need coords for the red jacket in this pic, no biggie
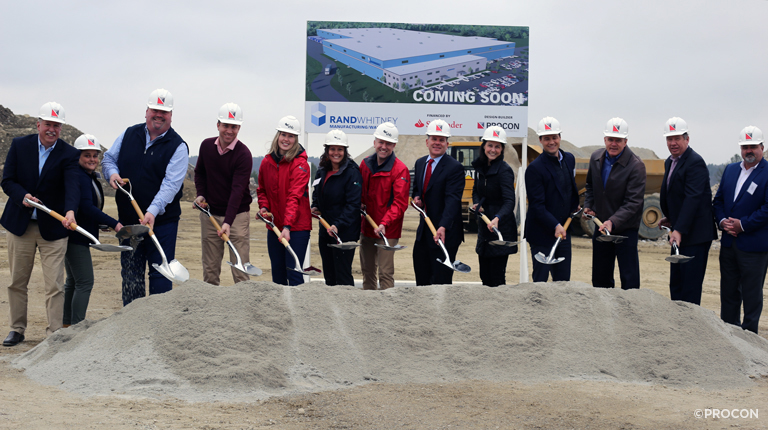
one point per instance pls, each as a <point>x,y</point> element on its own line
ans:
<point>385,195</point>
<point>283,190</point>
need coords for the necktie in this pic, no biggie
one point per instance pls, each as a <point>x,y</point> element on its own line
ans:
<point>671,169</point>
<point>427,176</point>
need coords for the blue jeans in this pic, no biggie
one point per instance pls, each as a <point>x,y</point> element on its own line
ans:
<point>146,253</point>
<point>79,283</point>
<point>281,259</point>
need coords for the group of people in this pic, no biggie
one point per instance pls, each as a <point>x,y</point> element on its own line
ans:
<point>615,187</point>
<point>151,159</point>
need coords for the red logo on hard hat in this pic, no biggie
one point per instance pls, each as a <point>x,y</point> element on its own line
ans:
<point>438,128</point>
<point>671,127</point>
<point>749,136</point>
<point>495,133</point>
<point>161,101</point>
<point>54,113</point>
<point>615,128</point>
<point>231,115</point>
<point>90,142</point>
<point>419,124</point>
<point>548,126</point>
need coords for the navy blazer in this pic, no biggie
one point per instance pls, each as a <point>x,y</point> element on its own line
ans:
<point>687,203</point>
<point>442,198</point>
<point>57,186</point>
<point>548,205</point>
<point>750,207</point>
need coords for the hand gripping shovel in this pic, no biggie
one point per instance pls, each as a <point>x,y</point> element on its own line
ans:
<point>247,268</point>
<point>309,271</point>
<point>339,244</point>
<point>456,265</point>
<point>606,236</point>
<point>386,245</point>
<point>549,259</point>
<point>172,270</point>
<point>96,244</point>
<point>676,258</point>
<point>501,241</point>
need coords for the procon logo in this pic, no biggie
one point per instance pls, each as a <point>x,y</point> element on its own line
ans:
<point>749,136</point>
<point>454,124</point>
<point>91,143</point>
<point>231,115</point>
<point>547,126</point>
<point>672,127</point>
<point>504,125</point>
<point>615,128</point>
<point>161,101</point>
<point>54,113</point>
<point>419,124</point>
<point>495,133</point>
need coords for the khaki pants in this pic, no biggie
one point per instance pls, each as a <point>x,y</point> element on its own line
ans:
<point>372,256</point>
<point>213,246</point>
<point>21,258</point>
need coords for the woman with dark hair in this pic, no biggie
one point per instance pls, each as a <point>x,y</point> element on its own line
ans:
<point>283,178</point>
<point>494,195</point>
<point>336,197</point>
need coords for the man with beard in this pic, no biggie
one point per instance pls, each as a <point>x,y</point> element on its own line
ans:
<point>741,210</point>
<point>155,158</point>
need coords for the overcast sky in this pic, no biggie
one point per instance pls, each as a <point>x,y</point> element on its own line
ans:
<point>705,61</point>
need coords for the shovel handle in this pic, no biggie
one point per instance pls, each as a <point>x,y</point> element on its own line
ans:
<point>218,228</point>
<point>284,241</point>
<point>485,218</point>
<point>72,226</point>
<point>141,215</point>
<point>371,221</point>
<point>567,224</point>
<point>324,223</point>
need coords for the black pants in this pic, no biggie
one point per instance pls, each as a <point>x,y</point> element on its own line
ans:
<point>604,256</point>
<point>560,271</point>
<point>493,270</point>
<point>685,279</point>
<point>427,269</point>
<point>337,263</point>
<point>742,276</point>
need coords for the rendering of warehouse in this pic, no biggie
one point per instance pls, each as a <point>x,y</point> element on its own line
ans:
<point>397,57</point>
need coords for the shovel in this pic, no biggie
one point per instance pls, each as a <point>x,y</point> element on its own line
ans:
<point>386,245</point>
<point>676,258</point>
<point>606,236</point>
<point>309,271</point>
<point>172,270</point>
<point>247,268</point>
<point>133,233</point>
<point>456,265</point>
<point>501,241</point>
<point>96,244</point>
<point>339,244</point>
<point>549,259</point>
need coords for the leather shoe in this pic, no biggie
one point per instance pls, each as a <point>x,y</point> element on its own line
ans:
<point>14,338</point>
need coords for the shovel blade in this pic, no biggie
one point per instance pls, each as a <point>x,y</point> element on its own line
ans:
<point>309,271</point>
<point>611,238</point>
<point>502,243</point>
<point>675,259</point>
<point>391,248</point>
<point>344,246</point>
<point>541,258</point>
<point>111,248</point>
<point>132,230</point>
<point>247,268</point>
<point>174,271</point>
<point>461,267</point>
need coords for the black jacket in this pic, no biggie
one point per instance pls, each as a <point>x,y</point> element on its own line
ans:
<point>338,200</point>
<point>89,214</point>
<point>442,198</point>
<point>494,189</point>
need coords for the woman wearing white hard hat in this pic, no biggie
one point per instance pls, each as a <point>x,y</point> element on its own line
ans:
<point>336,197</point>
<point>77,261</point>
<point>283,178</point>
<point>494,195</point>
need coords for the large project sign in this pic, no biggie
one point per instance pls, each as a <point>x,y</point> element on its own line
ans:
<point>360,75</point>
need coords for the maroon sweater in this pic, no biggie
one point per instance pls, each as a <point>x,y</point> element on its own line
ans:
<point>224,179</point>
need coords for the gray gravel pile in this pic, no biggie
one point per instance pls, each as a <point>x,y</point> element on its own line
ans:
<point>258,339</point>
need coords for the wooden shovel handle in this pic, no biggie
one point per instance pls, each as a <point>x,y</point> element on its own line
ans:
<point>284,241</point>
<point>141,215</point>
<point>371,221</point>
<point>597,221</point>
<point>324,223</point>
<point>567,224</point>
<point>431,226</point>
<point>485,218</point>
<point>218,228</point>
<point>72,226</point>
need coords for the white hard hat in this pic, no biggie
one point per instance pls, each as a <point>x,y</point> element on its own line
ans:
<point>616,127</point>
<point>386,131</point>
<point>231,113</point>
<point>751,135</point>
<point>496,134</point>
<point>52,111</point>
<point>438,127</point>
<point>675,126</point>
<point>547,126</point>
<point>160,99</point>
<point>289,124</point>
<point>336,137</point>
<point>87,141</point>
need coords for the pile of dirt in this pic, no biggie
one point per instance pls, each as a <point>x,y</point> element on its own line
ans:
<point>257,339</point>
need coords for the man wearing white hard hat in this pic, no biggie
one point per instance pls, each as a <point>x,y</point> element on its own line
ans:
<point>437,188</point>
<point>550,186</point>
<point>386,183</point>
<point>615,191</point>
<point>222,181</point>
<point>336,197</point>
<point>686,201</point>
<point>154,158</point>
<point>741,210</point>
<point>42,168</point>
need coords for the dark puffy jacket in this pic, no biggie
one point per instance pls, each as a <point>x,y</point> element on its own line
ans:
<point>338,200</point>
<point>494,189</point>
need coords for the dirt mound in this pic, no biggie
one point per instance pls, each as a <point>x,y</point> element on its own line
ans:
<point>258,339</point>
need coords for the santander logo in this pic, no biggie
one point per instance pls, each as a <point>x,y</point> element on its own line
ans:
<point>419,124</point>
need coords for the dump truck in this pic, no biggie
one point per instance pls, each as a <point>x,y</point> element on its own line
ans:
<point>466,152</point>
